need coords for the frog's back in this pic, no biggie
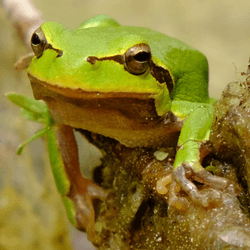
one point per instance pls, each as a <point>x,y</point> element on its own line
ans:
<point>187,65</point>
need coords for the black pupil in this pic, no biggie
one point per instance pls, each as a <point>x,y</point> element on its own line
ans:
<point>142,56</point>
<point>35,39</point>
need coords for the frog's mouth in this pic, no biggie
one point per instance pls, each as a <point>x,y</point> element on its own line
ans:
<point>42,89</point>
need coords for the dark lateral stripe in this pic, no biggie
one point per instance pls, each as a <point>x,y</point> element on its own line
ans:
<point>49,46</point>
<point>117,58</point>
<point>162,75</point>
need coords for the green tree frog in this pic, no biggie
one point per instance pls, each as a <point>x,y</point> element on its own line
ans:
<point>135,85</point>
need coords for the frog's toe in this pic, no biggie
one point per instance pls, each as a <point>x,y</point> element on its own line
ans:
<point>207,178</point>
<point>206,198</point>
<point>180,203</point>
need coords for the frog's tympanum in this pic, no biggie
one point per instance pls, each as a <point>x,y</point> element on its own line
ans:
<point>135,85</point>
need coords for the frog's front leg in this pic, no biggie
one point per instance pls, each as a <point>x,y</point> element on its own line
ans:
<point>77,192</point>
<point>187,165</point>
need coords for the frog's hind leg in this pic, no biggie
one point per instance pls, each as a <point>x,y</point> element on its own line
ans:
<point>77,192</point>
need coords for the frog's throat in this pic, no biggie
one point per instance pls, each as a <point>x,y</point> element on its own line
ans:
<point>129,118</point>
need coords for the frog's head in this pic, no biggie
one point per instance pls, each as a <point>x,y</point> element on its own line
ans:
<point>100,56</point>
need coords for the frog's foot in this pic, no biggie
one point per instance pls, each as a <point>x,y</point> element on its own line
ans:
<point>181,181</point>
<point>82,196</point>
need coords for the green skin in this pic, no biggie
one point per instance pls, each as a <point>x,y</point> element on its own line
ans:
<point>102,37</point>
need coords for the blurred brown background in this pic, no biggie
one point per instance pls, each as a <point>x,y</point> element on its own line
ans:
<point>31,216</point>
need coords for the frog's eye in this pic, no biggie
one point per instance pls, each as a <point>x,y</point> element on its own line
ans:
<point>38,42</point>
<point>137,59</point>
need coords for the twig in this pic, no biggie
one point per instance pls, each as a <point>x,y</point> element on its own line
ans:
<point>24,16</point>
